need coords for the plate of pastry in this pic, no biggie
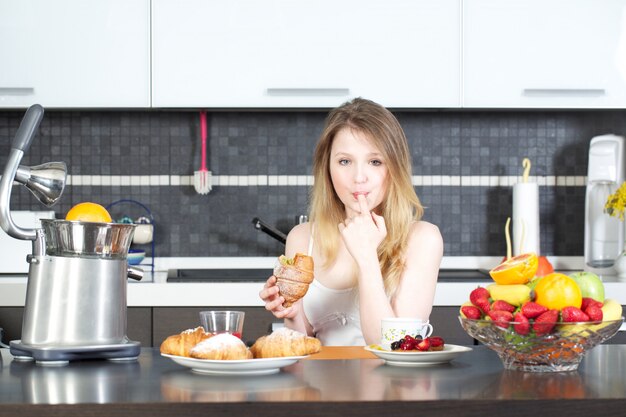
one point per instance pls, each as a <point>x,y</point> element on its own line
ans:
<point>418,358</point>
<point>225,354</point>
<point>261,366</point>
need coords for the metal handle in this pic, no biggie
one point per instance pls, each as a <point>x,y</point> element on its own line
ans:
<point>17,91</point>
<point>22,141</point>
<point>564,92</point>
<point>135,273</point>
<point>308,91</point>
<point>26,131</point>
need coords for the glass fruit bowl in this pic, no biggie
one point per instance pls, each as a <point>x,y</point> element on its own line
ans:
<point>560,350</point>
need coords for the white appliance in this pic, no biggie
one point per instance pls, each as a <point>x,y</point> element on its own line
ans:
<point>604,234</point>
<point>13,251</point>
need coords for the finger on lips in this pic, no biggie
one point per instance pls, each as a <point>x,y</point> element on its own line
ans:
<point>362,203</point>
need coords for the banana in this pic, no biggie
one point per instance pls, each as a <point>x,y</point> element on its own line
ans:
<point>515,294</point>
<point>570,329</point>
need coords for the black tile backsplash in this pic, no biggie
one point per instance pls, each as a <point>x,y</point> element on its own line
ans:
<point>450,143</point>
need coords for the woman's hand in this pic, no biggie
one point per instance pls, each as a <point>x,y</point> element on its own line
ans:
<point>364,232</point>
<point>274,301</point>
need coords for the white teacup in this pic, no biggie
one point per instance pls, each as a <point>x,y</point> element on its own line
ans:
<point>395,328</point>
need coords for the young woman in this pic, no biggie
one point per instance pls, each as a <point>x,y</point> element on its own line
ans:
<point>374,257</point>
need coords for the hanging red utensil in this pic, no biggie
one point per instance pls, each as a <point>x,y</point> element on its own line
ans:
<point>202,177</point>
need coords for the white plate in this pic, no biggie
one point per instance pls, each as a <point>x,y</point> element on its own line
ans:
<point>263,366</point>
<point>400,358</point>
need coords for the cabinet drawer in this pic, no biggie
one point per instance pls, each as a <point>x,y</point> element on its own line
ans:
<point>284,54</point>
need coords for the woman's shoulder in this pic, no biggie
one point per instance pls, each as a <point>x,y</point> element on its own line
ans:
<point>298,238</point>
<point>425,234</point>
<point>301,230</point>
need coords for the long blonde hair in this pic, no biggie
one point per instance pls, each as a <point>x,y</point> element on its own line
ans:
<point>401,205</point>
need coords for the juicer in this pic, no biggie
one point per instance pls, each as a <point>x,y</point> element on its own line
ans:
<point>77,277</point>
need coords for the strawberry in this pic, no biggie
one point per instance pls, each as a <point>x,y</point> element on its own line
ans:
<point>483,304</point>
<point>408,342</point>
<point>573,314</point>
<point>545,322</point>
<point>477,294</point>
<point>501,318</point>
<point>531,309</point>
<point>502,305</point>
<point>522,325</point>
<point>471,312</point>
<point>590,301</point>
<point>436,341</point>
<point>424,345</point>
<point>594,312</point>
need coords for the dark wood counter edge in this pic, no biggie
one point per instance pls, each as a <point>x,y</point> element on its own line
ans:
<point>456,408</point>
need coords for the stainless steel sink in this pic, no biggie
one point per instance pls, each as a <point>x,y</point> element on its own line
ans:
<point>261,275</point>
<point>460,275</point>
<point>218,275</point>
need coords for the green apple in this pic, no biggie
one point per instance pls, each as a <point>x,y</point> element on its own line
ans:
<point>590,284</point>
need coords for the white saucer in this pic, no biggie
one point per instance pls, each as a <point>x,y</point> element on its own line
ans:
<point>400,358</point>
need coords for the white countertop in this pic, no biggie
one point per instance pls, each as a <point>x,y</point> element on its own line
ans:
<point>155,291</point>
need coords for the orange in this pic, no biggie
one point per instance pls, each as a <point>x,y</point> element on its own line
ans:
<point>544,267</point>
<point>556,291</point>
<point>88,212</point>
<point>517,270</point>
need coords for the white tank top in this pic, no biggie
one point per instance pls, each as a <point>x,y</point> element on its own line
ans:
<point>333,314</point>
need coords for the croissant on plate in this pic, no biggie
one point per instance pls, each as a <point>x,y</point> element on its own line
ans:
<point>223,346</point>
<point>293,277</point>
<point>181,344</point>
<point>285,342</point>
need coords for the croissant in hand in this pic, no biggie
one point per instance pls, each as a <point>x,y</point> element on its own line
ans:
<point>285,342</point>
<point>293,277</point>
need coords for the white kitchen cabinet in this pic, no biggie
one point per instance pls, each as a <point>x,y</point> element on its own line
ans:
<point>75,53</point>
<point>308,53</point>
<point>544,54</point>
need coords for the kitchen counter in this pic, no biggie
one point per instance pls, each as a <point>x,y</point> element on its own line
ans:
<point>474,384</point>
<point>156,291</point>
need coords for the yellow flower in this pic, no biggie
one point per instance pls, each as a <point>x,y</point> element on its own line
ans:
<point>616,203</point>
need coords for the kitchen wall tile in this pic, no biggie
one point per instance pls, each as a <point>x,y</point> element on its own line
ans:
<point>464,164</point>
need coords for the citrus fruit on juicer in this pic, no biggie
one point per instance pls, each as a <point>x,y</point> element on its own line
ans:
<point>89,212</point>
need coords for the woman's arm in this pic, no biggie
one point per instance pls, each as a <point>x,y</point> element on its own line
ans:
<point>415,294</point>
<point>297,242</point>
<point>416,291</point>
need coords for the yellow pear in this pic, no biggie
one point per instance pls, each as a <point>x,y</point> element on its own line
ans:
<point>611,310</point>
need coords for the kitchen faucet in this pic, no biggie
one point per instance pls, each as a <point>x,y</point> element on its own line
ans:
<point>264,227</point>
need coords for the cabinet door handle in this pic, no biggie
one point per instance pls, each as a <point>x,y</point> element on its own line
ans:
<point>308,91</point>
<point>550,92</point>
<point>17,91</point>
